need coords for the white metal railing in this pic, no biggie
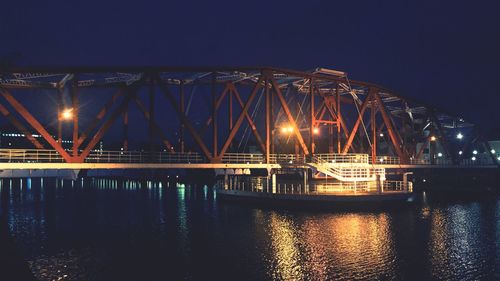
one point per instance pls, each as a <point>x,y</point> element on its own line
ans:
<point>353,172</point>
<point>339,164</point>
<point>248,158</point>
<point>351,158</point>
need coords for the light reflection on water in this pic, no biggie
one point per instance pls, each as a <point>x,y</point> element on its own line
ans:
<point>168,231</point>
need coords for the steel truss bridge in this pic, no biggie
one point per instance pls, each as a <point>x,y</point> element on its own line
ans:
<point>249,117</point>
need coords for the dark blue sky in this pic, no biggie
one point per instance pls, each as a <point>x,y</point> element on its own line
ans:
<point>442,52</point>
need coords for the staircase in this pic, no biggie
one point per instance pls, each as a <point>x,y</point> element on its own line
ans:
<point>347,172</point>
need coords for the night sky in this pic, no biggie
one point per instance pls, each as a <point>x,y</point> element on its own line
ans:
<point>442,52</point>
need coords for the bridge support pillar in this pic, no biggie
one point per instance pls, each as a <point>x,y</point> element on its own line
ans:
<point>306,181</point>
<point>273,183</point>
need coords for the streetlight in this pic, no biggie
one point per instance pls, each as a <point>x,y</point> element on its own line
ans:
<point>287,129</point>
<point>66,114</point>
<point>460,136</point>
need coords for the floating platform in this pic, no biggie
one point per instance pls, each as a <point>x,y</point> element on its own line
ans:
<point>350,201</point>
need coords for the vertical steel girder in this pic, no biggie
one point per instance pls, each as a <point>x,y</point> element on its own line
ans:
<point>182,108</point>
<point>374,133</point>
<point>312,121</point>
<point>151,113</point>
<point>268,121</point>
<point>59,112</point>
<point>75,108</point>
<point>215,126</point>
<point>125,130</point>
<point>35,124</point>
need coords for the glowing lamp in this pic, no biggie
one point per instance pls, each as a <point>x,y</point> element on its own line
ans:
<point>67,114</point>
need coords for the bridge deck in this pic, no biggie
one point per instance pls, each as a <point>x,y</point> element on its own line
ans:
<point>18,159</point>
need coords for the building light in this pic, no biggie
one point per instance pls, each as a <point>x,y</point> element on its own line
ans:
<point>460,152</point>
<point>474,152</point>
<point>440,154</point>
<point>492,151</point>
<point>460,136</point>
<point>433,138</point>
<point>473,158</point>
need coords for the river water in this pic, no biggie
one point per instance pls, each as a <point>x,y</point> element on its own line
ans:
<point>110,230</point>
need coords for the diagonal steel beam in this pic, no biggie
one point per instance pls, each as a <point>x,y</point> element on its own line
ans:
<point>155,127</point>
<point>35,124</point>
<point>104,128</point>
<point>250,121</point>
<point>99,117</point>
<point>20,127</point>
<point>354,130</point>
<point>393,134</point>
<point>182,116</point>
<point>241,117</point>
<point>290,117</point>
<point>217,105</point>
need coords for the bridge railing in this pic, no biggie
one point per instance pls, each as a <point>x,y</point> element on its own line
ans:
<point>353,158</point>
<point>30,155</point>
<point>243,158</point>
<point>142,157</point>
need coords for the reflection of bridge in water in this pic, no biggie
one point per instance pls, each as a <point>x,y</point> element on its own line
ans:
<point>230,118</point>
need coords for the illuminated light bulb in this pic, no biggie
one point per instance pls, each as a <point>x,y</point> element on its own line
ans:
<point>473,158</point>
<point>474,152</point>
<point>67,114</point>
<point>433,138</point>
<point>440,154</point>
<point>284,130</point>
<point>290,129</point>
<point>316,131</point>
<point>381,135</point>
<point>460,152</point>
<point>492,151</point>
<point>460,136</point>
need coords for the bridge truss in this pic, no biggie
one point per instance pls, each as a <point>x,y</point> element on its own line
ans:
<point>219,111</point>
